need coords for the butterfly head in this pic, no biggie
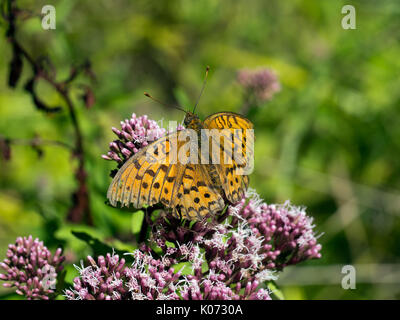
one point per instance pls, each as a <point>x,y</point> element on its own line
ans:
<point>192,121</point>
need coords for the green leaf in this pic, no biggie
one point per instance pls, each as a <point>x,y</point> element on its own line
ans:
<point>61,283</point>
<point>11,296</point>
<point>186,268</point>
<point>137,221</point>
<point>72,243</point>
<point>275,291</point>
<point>100,248</point>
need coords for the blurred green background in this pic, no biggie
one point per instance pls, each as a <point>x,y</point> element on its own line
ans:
<point>329,140</point>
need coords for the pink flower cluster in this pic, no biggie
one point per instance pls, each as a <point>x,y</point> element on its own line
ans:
<point>31,268</point>
<point>111,279</point>
<point>135,133</point>
<point>249,244</point>
<point>213,287</point>
<point>287,231</point>
<point>152,279</point>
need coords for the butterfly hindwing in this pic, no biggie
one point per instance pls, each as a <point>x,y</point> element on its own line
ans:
<point>233,184</point>
<point>197,197</point>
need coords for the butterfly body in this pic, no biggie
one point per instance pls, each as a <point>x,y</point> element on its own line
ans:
<point>191,190</point>
<point>192,121</point>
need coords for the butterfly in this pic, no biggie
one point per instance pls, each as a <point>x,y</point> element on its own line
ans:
<point>193,189</point>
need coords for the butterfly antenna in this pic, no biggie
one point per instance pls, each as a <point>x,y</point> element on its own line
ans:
<point>202,88</point>
<point>165,105</point>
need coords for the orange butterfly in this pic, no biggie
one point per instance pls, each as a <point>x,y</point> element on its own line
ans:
<point>191,189</point>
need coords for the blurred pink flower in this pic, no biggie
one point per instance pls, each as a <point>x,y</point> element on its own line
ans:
<point>263,83</point>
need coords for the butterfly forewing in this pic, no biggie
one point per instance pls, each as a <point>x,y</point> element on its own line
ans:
<point>149,177</point>
<point>141,179</point>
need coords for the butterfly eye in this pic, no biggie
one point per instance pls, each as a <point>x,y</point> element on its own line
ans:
<point>187,121</point>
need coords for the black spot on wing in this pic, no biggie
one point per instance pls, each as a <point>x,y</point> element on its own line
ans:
<point>150,172</point>
<point>137,164</point>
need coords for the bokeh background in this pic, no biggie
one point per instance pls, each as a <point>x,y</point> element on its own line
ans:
<point>329,140</point>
